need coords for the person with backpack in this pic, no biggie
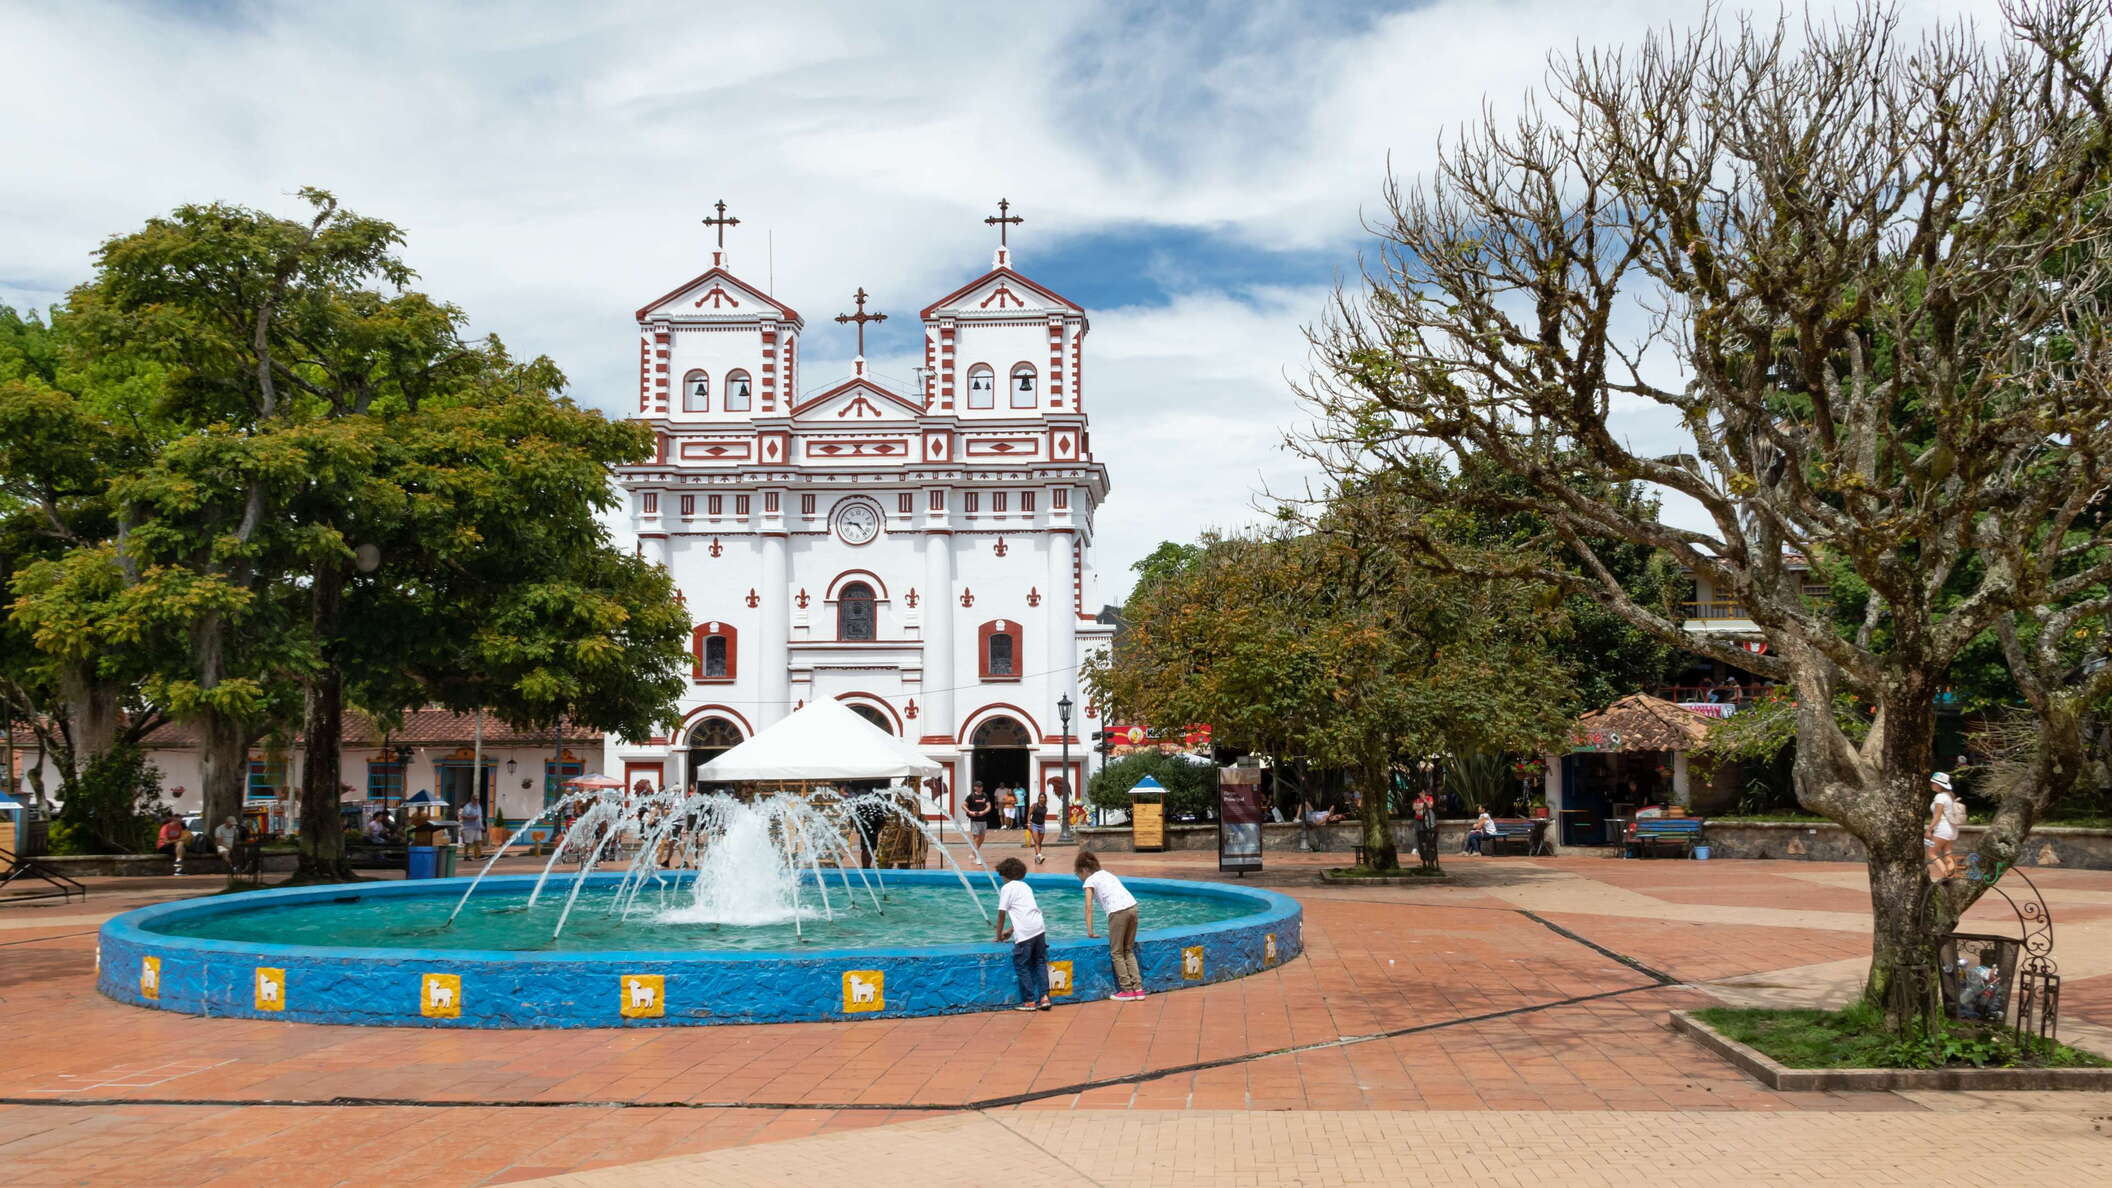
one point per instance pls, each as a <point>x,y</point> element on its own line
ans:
<point>1946,814</point>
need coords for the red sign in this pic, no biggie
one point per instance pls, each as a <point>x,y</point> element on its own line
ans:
<point>1757,647</point>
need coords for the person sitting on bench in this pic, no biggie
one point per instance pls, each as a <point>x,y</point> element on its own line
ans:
<point>1484,829</point>
<point>226,838</point>
<point>174,839</point>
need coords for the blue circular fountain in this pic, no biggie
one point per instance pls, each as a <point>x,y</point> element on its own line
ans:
<point>892,943</point>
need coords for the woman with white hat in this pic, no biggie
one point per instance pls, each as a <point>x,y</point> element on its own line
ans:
<point>1946,813</point>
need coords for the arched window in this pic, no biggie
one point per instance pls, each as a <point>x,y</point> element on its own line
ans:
<point>710,739</point>
<point>998,650</point>
<point>696,392</point>
<point>1023,386</point>
<point>1001,732</point>
<point>854,612</point>
<point>982,386</point>
<point>716,653</point>
<point>738,398</point>
<point>874,716</point>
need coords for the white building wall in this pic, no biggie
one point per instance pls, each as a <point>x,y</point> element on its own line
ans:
<point>940,573</point>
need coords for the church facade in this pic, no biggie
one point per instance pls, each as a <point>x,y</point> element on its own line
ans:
<point>921,555</point>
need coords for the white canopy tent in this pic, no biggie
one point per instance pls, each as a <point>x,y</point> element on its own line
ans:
<point>822,741</point>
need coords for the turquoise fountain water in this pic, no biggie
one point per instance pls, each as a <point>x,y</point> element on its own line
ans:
<point>695,909</point>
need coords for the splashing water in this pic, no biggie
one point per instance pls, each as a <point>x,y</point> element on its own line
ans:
<point>758,862</point>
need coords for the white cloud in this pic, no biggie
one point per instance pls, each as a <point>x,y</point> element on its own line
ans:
<point>550,162</point>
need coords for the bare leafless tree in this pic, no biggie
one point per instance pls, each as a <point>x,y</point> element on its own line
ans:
<point>1867,271</point>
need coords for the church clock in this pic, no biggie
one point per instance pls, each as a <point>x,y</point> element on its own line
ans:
<point>857,522</point>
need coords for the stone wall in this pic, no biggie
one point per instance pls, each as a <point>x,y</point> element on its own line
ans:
<point>1342,837</point>
<point>149,865</point>
<point>2053,845</point>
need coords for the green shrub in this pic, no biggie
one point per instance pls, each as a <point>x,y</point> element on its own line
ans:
<point>1190,787</point>
<point>112,807</point>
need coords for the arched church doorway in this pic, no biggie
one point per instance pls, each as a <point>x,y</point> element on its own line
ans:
<point>709,739</point>
<point>1000,755</point>
<point>874,716</point>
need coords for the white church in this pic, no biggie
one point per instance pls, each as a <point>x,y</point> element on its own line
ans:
<point>919,552</point>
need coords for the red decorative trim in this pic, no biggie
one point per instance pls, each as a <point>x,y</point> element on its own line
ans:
<point>910,711</point>
<point>912,599</point>
<point>712,630</point>
<point>985,634</point>
<point>849,384</point>
<point>865,575</point>
<point>938,740</point>
<point>633,769</point>
<point>971,286</point>
<point>878,702</point>
<point>704,711</point>
<point>968,723</point>
<point>999,548</point>
<point>754,599</point>
<point>791,315</point>
<point>967,596</point>
<point>1034,596</point>
<point>802,600</point>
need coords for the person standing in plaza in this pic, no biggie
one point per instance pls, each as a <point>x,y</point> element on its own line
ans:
<point>1038,825</point>
<point>1021,915</point>
<point>1121,909</point>
<point>1946,813</point>
<point>977,809</point>
<point>473,829</point>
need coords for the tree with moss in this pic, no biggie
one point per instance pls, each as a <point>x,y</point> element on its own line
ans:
<point>1864,272</point>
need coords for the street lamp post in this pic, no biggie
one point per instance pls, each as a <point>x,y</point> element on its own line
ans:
<point>1063,789</point>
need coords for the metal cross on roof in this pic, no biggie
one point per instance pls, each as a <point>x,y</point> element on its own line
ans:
<point>1003,221</point>
<point>722,222</point>
<point>861,318</point>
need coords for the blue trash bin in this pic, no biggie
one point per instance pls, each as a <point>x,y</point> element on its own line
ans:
<point>422,862</point>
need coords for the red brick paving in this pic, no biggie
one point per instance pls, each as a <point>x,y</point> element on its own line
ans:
<point>1376,961</point>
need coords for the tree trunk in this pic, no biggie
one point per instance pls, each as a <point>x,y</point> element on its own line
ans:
<point>223,766</point>
<point>1886,802</point>
<point>91,706</point>
<point>322,832</point>
<point>1379,852</point>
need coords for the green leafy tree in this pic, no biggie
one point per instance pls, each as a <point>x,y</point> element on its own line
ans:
<point>350,498</point>
<point>1329,647</point>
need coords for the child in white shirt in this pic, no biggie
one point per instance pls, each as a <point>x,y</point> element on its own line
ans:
<point>1017,911</point>
<point>1121,909</point>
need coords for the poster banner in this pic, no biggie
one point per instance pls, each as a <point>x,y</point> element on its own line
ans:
<point>1239,818</point>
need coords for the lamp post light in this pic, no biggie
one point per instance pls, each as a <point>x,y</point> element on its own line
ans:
<point>1063,787</point>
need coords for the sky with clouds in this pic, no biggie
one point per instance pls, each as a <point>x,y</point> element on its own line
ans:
<point>1194,174</point>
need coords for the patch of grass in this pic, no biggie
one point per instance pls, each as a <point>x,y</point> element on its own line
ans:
<point>1856,1038</point>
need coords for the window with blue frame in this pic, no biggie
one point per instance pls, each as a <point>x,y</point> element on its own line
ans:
<point>266,779</point>
<point>554,776</point>
<point>384,782</point>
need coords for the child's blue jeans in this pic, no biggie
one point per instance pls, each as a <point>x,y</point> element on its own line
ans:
<point>1030,961</point>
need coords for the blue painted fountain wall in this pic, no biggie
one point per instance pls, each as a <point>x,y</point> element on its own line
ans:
<point>470,988</point>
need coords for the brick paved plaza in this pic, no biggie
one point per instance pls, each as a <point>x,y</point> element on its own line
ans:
<point>1506,1029</point>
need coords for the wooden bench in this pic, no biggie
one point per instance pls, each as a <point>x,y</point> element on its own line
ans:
<point>371,856</point>
<point>1649,833</point>
<point>1529,836</point>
